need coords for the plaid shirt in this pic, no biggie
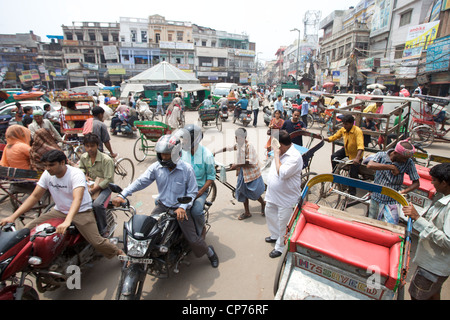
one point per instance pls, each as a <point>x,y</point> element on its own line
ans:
<point>247,153</point>
<point>386,178</point>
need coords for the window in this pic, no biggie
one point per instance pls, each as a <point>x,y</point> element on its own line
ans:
<point>221,62</point>
<point>157,37</point>
<point>205,61</point>
<point>405,18</point>
<point>169,37</point>
<point>69,36</point>
<point>399,52</point>
<point>80,36</point>
<point>133,35</point>
<point>144,36</point>
<point>105,37</point>
<point>203,43</point>
<point>213,44</point>
<point>179,35</point>
<point>92,36</point>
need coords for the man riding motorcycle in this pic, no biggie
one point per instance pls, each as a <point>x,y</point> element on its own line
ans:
<point>69,190</point>
<point>202,161</point>
<point>174,179</point>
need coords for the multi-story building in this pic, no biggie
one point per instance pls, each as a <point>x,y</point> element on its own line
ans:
<point>18,60</point>
<point>146,42</point>
<point>223,56</point>
<point>50,61</point>
<point>91,53</point>
<point>346,37</point>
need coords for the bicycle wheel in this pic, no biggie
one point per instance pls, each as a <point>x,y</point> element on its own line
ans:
<point>422,135</point>
<point>124,172</point>
<point>219,123</point>
<point>140,149</point>
<point>310,120</point>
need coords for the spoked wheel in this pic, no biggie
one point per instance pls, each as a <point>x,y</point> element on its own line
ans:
<point>310,120</point>
<point>18,196</point>
<point>219,123</point>
<point>124,172</point>
<point>422,136</point>
<point>141,149</point>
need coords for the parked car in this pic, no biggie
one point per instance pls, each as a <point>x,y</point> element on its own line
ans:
<point>37,105</point>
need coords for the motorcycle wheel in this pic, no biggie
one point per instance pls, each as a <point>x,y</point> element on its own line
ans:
<point>134,280</point>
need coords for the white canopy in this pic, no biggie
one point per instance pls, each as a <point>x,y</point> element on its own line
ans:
<point>164,72</point>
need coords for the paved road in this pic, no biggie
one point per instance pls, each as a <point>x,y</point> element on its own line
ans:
<point>246,272</point>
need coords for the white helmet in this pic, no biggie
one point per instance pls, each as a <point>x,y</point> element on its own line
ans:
<point>168,144</point>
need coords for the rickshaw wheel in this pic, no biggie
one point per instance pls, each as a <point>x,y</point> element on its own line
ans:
<point>124,172</point>
<point>310,120</point>
<point>140,149</point>
<point>219,123</point>
<point>422,135</point>
<point>280,270</point>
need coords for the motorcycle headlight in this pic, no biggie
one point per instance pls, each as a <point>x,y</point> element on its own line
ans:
<point>137,248</point>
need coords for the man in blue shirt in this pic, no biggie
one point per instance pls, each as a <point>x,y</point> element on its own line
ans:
<point>305,110</point>
<point>243,104</point>
<point>202,161</point>
<point>278,105</point>
<point>174,179</point>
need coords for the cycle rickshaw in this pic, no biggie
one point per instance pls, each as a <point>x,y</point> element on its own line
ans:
<point>423,128</point>
<point>210,115</point>
<point>149,134</point>
<point>333,255</point>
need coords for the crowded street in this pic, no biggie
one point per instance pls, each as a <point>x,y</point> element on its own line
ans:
<point>243,253</point>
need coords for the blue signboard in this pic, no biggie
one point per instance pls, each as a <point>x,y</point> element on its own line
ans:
<point>438,55</point>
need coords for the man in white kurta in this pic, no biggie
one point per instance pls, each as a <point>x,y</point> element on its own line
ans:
<point>283,190</point>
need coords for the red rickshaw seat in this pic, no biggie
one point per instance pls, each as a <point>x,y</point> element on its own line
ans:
<point>353,243</point>
<point>425,183</point>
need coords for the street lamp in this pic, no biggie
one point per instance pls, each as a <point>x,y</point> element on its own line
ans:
<point>298,53</point>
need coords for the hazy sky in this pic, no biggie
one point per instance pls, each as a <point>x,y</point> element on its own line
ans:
<point>268,23</point>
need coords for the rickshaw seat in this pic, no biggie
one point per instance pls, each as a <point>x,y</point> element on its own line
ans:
<point>425,184</point>
<point>353,243</point>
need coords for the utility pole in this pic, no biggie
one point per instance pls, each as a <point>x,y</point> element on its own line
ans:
<point>298,54</point>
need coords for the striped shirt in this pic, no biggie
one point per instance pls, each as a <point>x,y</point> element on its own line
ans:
<point>247,153</point>
<point>386,178</point>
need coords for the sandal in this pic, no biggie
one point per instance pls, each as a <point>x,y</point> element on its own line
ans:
<point>244,216</point>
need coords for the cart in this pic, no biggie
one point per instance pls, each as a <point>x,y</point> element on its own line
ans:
<point>333,255</point>
<point>210,115</point>
<point>149,134</point>
<point>423,128</point>
<point>17,185</point>
<point>72,123</point>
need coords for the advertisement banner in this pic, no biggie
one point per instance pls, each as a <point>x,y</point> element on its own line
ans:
<point>438,58</point>
<point>421,36</point>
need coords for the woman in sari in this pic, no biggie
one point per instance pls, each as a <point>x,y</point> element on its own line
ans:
<point>17,151</point>
<point>43,142</point>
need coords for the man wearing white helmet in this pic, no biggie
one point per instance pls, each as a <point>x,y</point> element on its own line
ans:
<point>174,179</point>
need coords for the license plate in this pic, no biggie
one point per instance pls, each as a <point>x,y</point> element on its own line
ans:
<point>417,200</point>
<point>135,260</point>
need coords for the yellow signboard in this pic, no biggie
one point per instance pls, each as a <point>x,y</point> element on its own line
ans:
<point>422,35</point>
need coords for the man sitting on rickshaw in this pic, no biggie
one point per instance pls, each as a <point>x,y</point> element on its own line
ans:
<point>390,167</point>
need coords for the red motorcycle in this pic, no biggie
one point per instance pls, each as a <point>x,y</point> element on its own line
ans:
<point>44,254</point>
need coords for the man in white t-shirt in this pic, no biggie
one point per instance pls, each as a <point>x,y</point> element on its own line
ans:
<point>283,190</point>
<point>68,188</point>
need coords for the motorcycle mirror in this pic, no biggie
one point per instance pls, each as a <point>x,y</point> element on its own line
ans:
<point>184,200</point>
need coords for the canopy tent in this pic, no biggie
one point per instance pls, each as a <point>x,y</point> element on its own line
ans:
<point>163,72</point>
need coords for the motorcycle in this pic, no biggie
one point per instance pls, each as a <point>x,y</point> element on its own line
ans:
<point>267,115</point>
<point>154,245</point>
<point>223,113</point>
<point>45,255</point>
<point>244,117</point>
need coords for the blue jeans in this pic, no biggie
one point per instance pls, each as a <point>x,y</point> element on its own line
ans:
<point>197,212</point>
